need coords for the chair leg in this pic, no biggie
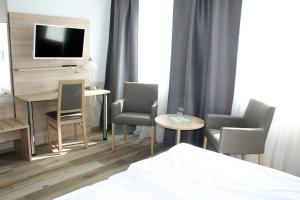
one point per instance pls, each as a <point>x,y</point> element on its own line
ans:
<point>59,139</point>
<point>85,135</point>
<point>243,156</point>
<point>75,131</point>
<point>205,142</point>
<point>260,159</point>
<point>152,139</point>
<point>49,132</point>
<point>112,136</point>
<point>125,131</point>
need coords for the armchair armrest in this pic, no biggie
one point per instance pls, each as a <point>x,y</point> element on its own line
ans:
<point>117,108</point>
<point>153,111</point>
<point>242,140</point>
<point>217,121</point>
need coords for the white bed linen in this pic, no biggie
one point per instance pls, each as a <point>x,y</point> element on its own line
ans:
<point>188,172</point>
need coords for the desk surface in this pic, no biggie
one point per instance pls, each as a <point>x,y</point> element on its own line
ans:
<point>47,96</point>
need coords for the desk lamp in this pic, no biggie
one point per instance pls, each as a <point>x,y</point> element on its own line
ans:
<point>91,66</point>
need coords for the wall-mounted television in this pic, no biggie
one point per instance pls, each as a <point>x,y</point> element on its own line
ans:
<point>57,42</point>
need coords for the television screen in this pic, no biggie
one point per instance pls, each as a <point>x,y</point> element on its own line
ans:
<point>51,41</point>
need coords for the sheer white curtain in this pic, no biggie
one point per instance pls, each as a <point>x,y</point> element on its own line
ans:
<point>268,69</point>
<point>155,35</point>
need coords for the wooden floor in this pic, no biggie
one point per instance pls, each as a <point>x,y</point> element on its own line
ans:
<point>49,175</point>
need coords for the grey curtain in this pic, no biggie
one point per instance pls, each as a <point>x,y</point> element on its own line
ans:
<point>203,60</point>
<point>122,55</point>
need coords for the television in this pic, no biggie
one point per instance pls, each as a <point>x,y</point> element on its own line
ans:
<point>57,42</point>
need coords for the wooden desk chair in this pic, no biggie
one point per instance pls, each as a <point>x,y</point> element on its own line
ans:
<point>70,109</point>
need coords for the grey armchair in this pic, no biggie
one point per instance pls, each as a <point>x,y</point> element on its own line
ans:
<point>139,107</point>
<point>240,135</point>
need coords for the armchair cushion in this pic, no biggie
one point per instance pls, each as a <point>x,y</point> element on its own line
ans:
<point>153,111</point>
<point>217,121</point>
<point>242,140</point>
<point>117,108</point>
<point>258,115</point>
<point>134,119</point>
<point>139,97</point>
<point>213,135</point>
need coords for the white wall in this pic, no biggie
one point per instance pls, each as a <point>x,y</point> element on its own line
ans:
<point>96,11</point>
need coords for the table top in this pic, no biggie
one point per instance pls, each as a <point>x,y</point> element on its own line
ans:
<point>46,96</point>
<point>172,121</point>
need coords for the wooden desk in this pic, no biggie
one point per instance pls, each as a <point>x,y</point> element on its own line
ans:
<point>48,96</point>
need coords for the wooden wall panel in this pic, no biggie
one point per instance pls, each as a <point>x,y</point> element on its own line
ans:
<point>36,81</point>
<point>21,32</point>
<point>31,82</point>
<point>6,107</point>
<point>32,76</point>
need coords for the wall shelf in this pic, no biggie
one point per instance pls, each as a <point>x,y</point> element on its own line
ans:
<point>43,68</point>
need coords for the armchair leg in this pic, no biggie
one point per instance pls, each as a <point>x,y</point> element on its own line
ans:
<point>125,131</point>
<point>205,142</point>
<point>112,136</point>
<point>243,156</point>
<point>260,159</point>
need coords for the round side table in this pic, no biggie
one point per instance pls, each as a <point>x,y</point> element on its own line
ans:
<point>172,121</point>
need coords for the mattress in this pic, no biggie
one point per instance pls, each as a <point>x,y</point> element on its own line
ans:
<point>189,172</point>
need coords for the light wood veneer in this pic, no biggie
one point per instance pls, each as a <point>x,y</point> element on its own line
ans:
<point>49,176</point>
<point>29,79</point>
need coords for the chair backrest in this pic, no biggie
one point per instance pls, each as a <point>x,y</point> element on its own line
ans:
<point>70,96</point>
<point>139,97</point>
<point>258,115</point>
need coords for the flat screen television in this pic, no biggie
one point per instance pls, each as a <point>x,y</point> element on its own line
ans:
<point>57,42</point>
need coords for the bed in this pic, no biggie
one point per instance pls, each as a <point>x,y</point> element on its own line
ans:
<point>189,172</point>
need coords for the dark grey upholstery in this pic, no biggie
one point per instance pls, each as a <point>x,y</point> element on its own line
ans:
<point>71,96</point>
<point>65,116</point>
<point>70,100</point>
<point>139,106</point>
<point>240,135</point>
<point>134,118</point>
